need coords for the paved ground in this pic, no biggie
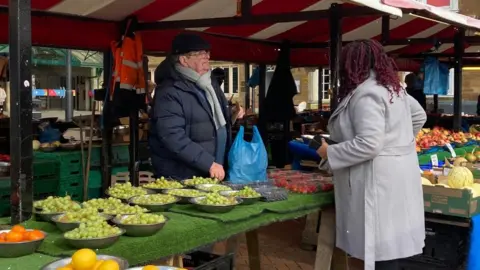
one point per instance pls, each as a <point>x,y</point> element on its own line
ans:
<point>279,247</point>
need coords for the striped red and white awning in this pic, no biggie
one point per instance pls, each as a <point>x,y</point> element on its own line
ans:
<point>101,27</point>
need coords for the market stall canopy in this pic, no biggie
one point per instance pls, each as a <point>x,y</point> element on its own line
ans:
<point>253,37</point>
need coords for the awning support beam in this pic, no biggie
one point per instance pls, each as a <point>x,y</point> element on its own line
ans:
<point>21,151</point>
<point>257,19</point>
<point>459,48</point>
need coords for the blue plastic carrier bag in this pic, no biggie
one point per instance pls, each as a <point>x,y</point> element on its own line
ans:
<point>247,161</point>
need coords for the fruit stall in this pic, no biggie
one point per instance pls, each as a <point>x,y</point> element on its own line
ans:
<point>65,232</point>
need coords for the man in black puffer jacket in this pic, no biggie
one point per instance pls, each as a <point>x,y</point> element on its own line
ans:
<point>190,121</point>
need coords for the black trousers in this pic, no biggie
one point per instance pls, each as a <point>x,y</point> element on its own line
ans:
<point>388,265</point>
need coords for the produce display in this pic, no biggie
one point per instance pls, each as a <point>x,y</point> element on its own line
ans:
<point>438,136</point>
<point>142,219</point>
<point>19,234</point>
<point>93,229</point>
<point>216,199</point>
<point>195,181</point>
<point>162,183</point>
<point>213,187</point>
<point>300,182</point>
<point>103,203</point>
<point>154,199</point>
<point>248,192</point>
<point>86,259</point>
<point>189,193</point>
<point>57,204</point>
<point>82,215</point>
<point>460,177</point>
<point>125,191</point>
<point>124,209</point>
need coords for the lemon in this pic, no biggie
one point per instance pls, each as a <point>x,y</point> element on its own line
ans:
<point>97,265</point>
<point>150,267</point>
<point>109,265</point>
<point>65,267</point>
<point>84,259</point>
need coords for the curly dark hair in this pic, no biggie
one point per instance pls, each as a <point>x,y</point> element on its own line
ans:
<point>358,59</point>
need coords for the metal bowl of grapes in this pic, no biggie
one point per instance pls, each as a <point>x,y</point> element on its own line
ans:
<point>58,264</point>
<point>93,235</point>
<point>215,203</point>
<point>19,249</point>
<point>212,187</point>
<point>124,191</point>
<point>185,194</point>
<point>140,225</point>
<point>155,202</point>
<point>124,209</point>
<point>71,220</point>
<point>163,184</point>
<point>247,194</point>
<point>195,181</point>
<point>53,206</point>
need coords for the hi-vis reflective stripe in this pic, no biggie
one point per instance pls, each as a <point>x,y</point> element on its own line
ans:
<point>126,86</point>
<point>140,64</point>
<point>140,90</point>
<point>129,64</point>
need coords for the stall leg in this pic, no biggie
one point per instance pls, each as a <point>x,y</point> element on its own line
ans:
<point>21,152</point>
<point>253,250</point>
<point>326,240</point>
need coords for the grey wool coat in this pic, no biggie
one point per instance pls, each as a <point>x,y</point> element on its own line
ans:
<point>378,191</point>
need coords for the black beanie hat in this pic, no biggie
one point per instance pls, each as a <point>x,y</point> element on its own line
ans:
<point>189,42</point>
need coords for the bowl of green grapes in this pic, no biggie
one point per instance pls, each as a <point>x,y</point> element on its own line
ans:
<point>155,202</point>
<point>247,194</point>
<point>162,184</point>
<point>195,181</point>
<point>72,219</point>
<point>125,209</point>
<point>53,206</point>
<point>126,191</point>
<point>215,203</point>
<point>185,194</point>
<point>140,225</point>
<point>212,187</point>
<point>93,235</point>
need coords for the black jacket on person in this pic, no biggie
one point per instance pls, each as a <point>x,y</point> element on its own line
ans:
<point>418,95</point>
<point>182,130</point>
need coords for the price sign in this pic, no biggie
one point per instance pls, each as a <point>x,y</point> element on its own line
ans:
<point>434,159</point>
<point>450,148</point>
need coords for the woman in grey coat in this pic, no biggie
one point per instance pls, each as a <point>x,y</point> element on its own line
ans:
<point>378,191</point>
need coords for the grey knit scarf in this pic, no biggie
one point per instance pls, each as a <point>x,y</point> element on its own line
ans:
<point>204,82</point>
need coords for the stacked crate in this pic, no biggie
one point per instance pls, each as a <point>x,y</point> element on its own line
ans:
<point>45,183</point>
<point>70,172</point>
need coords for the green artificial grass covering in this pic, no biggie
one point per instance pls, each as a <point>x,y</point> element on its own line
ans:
<point>295,202</point>
<point>180,235</point>
<point>31,262</point>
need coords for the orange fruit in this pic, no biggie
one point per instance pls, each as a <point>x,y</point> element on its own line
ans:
<point>109,265</point>
<point>84,259</point>
<point>150,267</point>
<point>14,237</point>
<point>26,236</point>
<point>3,236</point>
<point>18,228</point>
<point>35,235</point>
<point>66,267</point>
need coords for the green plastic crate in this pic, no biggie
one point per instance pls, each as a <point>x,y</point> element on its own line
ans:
<point>41,187</point>
<point>95,157</point>
<point>94,193</point>
<point>70,182</point>
<point>120,154</point>
<point>45,169</point>
<point>95,179</point>
<point>76,193</point>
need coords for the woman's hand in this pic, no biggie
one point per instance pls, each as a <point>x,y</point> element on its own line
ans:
<point>322,151</point>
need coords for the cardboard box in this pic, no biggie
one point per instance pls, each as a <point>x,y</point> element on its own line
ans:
<point>450,201</point>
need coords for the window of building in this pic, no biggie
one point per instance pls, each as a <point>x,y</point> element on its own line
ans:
<point>226,82</point>
<point>325,83</point>
<point>235,80</point>
<point>231,84</point>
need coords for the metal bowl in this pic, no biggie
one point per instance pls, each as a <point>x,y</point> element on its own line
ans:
<point>159,190</point>
<point>14,250</point>
<point>62,262</point>
<point>184,199</point>
<point>139,230</point>
<point>208,187</point>
<point>160,267</point>
<point>214,208</point>
<point>94,243</point>
<point>157,207</point>
<point>245,200</point>
<point>47,216</point>
<point>68,226</point>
